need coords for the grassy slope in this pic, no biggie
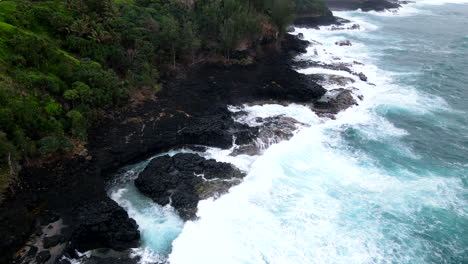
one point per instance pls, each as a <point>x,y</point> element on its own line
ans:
<point>7,77</point>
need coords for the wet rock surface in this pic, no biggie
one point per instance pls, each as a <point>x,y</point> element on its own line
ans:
<point>103,223</point>
<point>332,79</point>
<point>42,257</point>
<point>184,179</point>
<point>362,77</point>
<point>52,241</point>
<point>110,260</point>
<point>271,130</point>
<point>108,256</point>
<point>333,102</point>
<point>343,43</point>
<point>339,66</point>
<point>364,5</point>
<point>314,20</point>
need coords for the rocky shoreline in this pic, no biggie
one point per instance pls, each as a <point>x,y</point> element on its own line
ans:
<point>364,5</point>
<point>63,206</point>
<point>191,110</point>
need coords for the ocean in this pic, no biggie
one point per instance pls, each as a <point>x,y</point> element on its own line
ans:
<point>385,182</point>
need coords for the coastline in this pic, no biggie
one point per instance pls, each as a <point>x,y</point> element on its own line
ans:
<point>131,134</point>
<point>57,190</point>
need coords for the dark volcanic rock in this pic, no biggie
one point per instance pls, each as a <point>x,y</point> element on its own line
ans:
<point>16,224</point>
<point>335,101</point>
<point>315,20</point>
<point>364,5</point>
<point>109,260</point>
<point>344,43</point>
<point>277,128</point>
<point>333,79</point>
<point>104,224</point>
<point>184,179</point>
<point>301,64</point>
<point>272,130</point>
<point>362,77</point>
<point>199,100</point>
<point>294,45</point>
<point>42,257</point>
<point>346,67</point>
<point>287,84</point>
<point>216,130</point>
<point>32,252</point>
<point>52,241</point>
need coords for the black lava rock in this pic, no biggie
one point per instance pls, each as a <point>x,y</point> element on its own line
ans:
<point>285,83</point>
<point>364,5</point>
<point>104,224</point>
<point>110,260</point>
<point>343,43</point>
<point>42,257</point>
<point>340,100</point>
<point>216,130</point>
<point>180,181</point>
<point>314,20</point>
<point>362,77</point>
<point>52,241</point>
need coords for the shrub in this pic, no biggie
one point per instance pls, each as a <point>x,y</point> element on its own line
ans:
<point>78,124</point>
<point>53,108</point>
<point>49,145</point>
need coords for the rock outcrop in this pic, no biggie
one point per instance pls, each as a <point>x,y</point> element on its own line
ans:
<point>364,5</point>
<point>334,101</point>
<point>103,224</point>
<point>184,179</point>
<point>314,20</point>
<point>343,43</point>
<point>271,130</point>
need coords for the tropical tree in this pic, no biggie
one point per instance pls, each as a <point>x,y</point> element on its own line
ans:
<point>281,14</point>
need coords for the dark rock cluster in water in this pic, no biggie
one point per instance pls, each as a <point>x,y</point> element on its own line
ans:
<point>337,100</point>
<point>364,5</point>
<point>104,224</point>
<point>271,130</point>
<point>343,43</point>
<point>184,179</point>
<point>217,130</point>
<point>314,20</point>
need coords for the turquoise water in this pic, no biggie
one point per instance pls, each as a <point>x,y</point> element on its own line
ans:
<point>386,182</point>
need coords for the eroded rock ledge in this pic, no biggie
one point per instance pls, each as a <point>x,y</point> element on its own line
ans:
<point>185,179</point>
<point>364,5</point>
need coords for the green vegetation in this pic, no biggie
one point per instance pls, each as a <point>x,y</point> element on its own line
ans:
<point>65,62</point>
<point>308,7</point>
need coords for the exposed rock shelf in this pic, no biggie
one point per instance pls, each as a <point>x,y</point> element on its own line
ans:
<point>364,5</point>
<point>184,179</point>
